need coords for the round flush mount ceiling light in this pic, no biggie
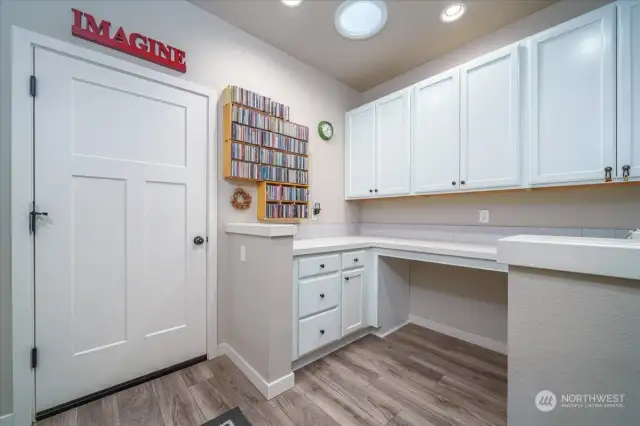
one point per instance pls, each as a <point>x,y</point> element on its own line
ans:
<point>453,12</point>
<point>291,3</point>
<point>361,19</point>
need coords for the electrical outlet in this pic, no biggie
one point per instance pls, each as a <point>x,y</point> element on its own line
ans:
<point>243,254</point>
<point>483,216</point>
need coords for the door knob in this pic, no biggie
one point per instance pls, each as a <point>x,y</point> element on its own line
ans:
<point>321,331</point>
<point>198,240</point>
<point>322,295</point>
<point>346,278</point>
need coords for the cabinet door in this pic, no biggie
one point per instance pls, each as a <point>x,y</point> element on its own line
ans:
<point>490,121</point>
<point>572,100</point>
<point>629,89</point>
<point>360,152</point>
<point>353,295</point>
<point>393,145</point>
<point>436,134</point>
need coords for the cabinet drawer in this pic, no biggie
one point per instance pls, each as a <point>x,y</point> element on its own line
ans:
<point>311,266</point>
<point>318,330</point>
<point>318,294</point>
<point>353,259</point>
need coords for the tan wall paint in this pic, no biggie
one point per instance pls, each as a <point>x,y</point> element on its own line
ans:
<point>471,300</point>
<point>611,206</point>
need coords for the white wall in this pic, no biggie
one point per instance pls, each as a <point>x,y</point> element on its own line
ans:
<point>218,54</point>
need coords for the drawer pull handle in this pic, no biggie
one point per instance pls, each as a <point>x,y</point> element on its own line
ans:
<point>322,265</point>
<point>355,260</point>
<point>321,331</point>
<point>322,295</point>
<point>346,278</point>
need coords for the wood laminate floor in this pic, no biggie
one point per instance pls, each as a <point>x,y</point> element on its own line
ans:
<point>415,376</point>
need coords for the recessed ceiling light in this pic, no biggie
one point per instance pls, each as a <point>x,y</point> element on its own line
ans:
<point>361,19</point>
<point>291,3</point>
<point>453,12</point>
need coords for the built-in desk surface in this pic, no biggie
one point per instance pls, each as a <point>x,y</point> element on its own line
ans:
<point>446,252</point>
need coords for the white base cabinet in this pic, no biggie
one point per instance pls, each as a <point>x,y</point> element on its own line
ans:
<point>333,304</point>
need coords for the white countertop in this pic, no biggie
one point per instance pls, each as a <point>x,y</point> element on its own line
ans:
<point>261,229</point>
<point>596,256</point>
<point>447,248</point>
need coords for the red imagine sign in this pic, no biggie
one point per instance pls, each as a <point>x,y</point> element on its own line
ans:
<point>85,26</point>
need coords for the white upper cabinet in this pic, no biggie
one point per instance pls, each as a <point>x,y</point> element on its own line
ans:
<point>393,172</point>
<point>360,152</point>
<point>490,121</point>
<point>572,134</point>
<point>629,90</point>
<point>436,134</point>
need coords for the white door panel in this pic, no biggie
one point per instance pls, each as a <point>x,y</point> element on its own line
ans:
<point>629,89</point>
<point>490,117</point>
<point>572,100</point>
<point>393,175</point>
<point>360,163</point>
<point>436,134</point>
<point>120,166</point>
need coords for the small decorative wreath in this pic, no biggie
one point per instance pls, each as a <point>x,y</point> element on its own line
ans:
<point>241,199</point>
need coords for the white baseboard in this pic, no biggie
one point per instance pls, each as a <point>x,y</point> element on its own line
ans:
<point>269,390</point>
<point>394,329</point>
<point>485,342</point>
<point>6,420</point>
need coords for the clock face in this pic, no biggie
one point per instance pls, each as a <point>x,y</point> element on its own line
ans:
<point>325,129</point>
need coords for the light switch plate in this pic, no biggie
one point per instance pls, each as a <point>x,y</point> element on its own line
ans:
<point>243,254</point>
<point>483,216</point>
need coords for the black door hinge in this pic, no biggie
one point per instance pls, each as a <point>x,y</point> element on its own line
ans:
<point>32,86</point>
<point>34,358</point>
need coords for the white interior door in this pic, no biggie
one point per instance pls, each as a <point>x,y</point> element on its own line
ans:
<point>490,121</point>
<point>120,168</point>
<point>436,134</point>
<point>393,143</point>
<point>572,104</point>
<point>360,165</point>
<point>629,90</point>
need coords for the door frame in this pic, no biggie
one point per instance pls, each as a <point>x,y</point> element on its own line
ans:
<point>22,244</point>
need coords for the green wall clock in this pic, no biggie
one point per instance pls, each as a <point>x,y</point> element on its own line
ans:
<point>325,130</point>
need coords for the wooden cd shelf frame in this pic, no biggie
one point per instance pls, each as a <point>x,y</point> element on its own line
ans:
<point>263,202</point>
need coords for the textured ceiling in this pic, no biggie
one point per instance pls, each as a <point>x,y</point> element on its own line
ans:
<point>413,35</point>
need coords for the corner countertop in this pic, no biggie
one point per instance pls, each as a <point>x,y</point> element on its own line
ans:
<point>596,256</point>
<point>261,229</point>
<point>447,248</point>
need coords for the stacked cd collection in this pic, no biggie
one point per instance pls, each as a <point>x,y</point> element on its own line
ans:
<point>281,159</point>
<point>264,137</point>
<point>284,143</point>
<point>247,134</point>
<point>254,118</point>
<point>286,211</point>
<point>244,152</point>
<point>286,193</point>
<point>280,174</point>
<point>245,170</point>
<point>253,100</point>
